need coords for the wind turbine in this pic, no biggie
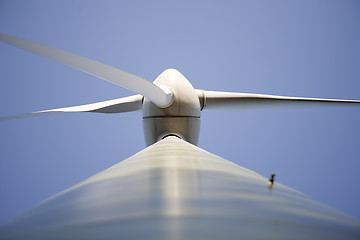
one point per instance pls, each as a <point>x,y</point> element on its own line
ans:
<point>172,189</point>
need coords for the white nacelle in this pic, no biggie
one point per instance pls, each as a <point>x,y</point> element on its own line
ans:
<point>181,118</point>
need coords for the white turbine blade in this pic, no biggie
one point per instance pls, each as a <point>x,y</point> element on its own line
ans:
<point>111,74</point>
<point>218,100</point>
<point>120,105</point>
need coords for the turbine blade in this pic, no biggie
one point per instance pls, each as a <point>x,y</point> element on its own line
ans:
<point>111,74</point>
<point>218,100</point>
<point>120,105</point>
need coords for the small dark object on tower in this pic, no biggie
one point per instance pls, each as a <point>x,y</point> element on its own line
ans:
<point>271,180</point>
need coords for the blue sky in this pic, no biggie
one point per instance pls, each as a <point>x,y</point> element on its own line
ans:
<point>294,48</point>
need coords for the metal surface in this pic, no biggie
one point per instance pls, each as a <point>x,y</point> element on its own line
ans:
<point>175,190</point>
<point>186,128</point>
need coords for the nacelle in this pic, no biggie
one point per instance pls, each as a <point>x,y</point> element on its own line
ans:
<point>181,118</point>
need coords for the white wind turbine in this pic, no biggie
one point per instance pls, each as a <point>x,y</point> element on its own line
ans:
<point>172,189</point>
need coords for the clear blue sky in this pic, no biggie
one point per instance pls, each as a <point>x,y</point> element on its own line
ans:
<point>295,48</point>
